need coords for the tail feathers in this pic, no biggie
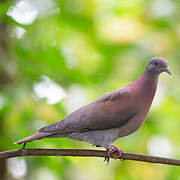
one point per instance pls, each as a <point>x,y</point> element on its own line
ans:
<point>37,136</point>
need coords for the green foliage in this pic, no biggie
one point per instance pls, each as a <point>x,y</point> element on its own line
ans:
<point>89,47</point>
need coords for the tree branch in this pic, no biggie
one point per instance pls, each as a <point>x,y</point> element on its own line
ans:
<point>86,153</point>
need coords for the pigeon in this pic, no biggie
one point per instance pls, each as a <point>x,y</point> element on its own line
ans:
<point>114,115</point>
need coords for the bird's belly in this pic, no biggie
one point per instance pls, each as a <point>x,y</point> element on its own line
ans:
<point>102,138</point>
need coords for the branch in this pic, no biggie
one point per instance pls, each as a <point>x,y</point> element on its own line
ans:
<point>86,153</point>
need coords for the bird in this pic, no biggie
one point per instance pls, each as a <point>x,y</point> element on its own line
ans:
<point>114,115</point>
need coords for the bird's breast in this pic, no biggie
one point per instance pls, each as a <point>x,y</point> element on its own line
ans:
<point>132,125</point>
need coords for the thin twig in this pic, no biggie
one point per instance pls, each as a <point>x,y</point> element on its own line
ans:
<point>86,153</point>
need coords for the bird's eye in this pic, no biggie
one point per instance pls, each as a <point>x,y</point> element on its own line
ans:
<point>156,64</point>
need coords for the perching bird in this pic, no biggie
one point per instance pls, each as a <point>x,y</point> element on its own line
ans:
<point>113,115</point>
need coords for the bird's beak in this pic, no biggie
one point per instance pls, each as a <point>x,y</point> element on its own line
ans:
<point>168,71</point>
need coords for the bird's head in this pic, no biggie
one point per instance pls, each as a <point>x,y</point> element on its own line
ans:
<point>158,65</point>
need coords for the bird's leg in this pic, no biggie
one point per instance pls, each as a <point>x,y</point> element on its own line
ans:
<point>111,150</point>
<point>24,145</point>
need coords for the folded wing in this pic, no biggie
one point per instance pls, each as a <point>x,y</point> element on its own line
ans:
<point>109,111</point>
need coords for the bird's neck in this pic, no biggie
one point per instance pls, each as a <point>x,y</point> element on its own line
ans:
<point>145,87</point>
<point>147,81</point>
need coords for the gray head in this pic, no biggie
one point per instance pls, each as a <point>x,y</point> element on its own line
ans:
<point>158,65</point>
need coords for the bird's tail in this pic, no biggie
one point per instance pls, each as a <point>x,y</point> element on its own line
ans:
<point>37,136</point>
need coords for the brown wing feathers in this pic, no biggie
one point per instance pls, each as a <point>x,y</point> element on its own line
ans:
<point>109,111</point>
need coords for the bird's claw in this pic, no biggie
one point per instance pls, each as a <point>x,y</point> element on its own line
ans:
<point>112,150</point>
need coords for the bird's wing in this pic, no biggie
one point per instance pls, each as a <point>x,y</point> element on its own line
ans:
<point>109,111</point>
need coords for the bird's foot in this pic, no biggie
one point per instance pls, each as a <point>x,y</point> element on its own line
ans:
<point>112,150</point>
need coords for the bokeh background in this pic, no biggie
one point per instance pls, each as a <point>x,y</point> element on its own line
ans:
<point>56,56</point>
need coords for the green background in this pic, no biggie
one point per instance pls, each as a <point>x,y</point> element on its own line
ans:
<point>87,47</point>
